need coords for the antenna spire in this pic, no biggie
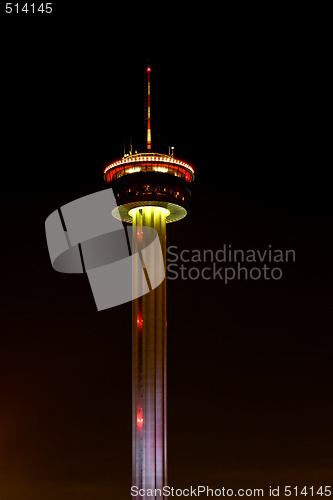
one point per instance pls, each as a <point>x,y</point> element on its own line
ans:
<point>148,109</point>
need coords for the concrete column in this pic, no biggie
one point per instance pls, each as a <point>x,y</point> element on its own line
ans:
<point>149,349</point>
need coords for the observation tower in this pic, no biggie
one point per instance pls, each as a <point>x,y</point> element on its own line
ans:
<point>151,189</point>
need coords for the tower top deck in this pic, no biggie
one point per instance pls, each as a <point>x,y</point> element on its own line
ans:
<point>150,179</point>
<point>157,161</point>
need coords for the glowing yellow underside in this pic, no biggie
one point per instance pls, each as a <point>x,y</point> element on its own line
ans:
<point>149,209</point>
<point>128,212</point>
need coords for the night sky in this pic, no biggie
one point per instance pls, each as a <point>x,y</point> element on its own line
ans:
<point>249,362</point>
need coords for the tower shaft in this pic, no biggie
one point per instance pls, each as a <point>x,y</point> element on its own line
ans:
<point>149,354</point>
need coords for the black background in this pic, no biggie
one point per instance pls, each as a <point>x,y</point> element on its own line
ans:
<point>242,97</point>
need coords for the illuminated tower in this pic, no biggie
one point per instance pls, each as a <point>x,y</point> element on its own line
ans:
<point>151,190</point>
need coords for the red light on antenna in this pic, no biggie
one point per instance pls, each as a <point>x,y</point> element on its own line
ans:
<point>148,69</point>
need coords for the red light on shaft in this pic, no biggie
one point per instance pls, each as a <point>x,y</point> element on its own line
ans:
<point>139,419</point>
